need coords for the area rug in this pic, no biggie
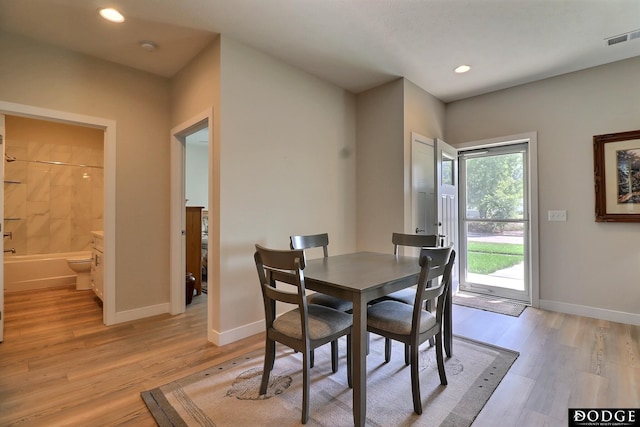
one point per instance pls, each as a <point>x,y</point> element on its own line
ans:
<point>489,303</point>
<point>227,394</point>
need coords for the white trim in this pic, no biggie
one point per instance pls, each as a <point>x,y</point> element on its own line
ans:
<point>142,312</point>
<point>227,337</point>
<point>177,211</point>
<point>592,312</point>
<point>496,142</point>
<point>109,127</point>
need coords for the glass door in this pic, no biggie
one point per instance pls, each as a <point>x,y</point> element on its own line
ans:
<point>494,235</point>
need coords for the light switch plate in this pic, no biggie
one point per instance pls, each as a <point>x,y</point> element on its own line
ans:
<point>557,215</point>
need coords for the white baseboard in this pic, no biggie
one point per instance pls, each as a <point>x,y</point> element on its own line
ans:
<point>141,313</point>
<point>227,337</point>
<point>593,312</point>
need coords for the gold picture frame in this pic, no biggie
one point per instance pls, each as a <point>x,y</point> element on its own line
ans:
<point>616,159</point>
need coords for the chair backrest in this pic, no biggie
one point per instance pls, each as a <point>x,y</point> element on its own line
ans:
<point>413,240</point>
<point>434,262</point>
<point>311,241</point>
<point>440,257</point>
<point>282,266</point>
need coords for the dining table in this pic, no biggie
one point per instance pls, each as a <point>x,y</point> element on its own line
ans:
<point>362,277</point>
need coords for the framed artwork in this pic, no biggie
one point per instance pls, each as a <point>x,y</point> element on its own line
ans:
<point>616,159</point>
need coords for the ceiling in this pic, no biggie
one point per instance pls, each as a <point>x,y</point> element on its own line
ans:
<point>355,44</point>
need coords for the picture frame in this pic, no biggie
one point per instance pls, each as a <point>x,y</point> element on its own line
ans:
<point>616,159</point>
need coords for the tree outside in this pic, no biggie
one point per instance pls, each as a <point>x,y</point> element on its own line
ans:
<point>495,188</point>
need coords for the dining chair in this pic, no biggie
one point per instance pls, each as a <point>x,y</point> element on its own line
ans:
<point>408,295</point>
<point>319,241</point>
<point>304,328</point>
<point>312,241</point>
<point>439,259</point>
<point>412,324</point>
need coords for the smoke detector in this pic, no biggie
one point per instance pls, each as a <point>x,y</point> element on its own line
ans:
<point>148,45</point>
<point>631,35</point>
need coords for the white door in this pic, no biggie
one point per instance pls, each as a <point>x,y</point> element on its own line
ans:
<point>2,140</point>
<point>447,197</point>
<point>447,192</point>
<point>423,185</point>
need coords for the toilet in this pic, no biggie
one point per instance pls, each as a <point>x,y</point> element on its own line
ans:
<point>81,265</point>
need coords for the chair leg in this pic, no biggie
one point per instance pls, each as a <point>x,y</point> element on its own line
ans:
<point>440,359</point>
<point>415,382</point>
<point>349,362</point>
<point>305,385</point>
<point>368,339</point>
<point>427,307</point>
<point>407,354</point>
<point>311,359</point>
<point>269,356</point>
<point>334,356</point>
<point>306,373</point>
<point>387,350</point>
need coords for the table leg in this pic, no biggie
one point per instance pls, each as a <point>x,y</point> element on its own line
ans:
<point>448,323</point>
<point>359,358</point>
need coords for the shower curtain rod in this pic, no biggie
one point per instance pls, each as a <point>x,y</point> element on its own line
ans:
<point>10,159</point>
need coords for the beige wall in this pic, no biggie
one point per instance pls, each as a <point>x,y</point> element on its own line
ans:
<point>284,163</point>
<point>380,166</point>
<point>194,90</point>
<point>583,264</point>
<point>57,205</point>
<point>196,87</point>
<point>39,75</point>
<point>387,115</point>
<point>288,167</point>
<point>423,114</point>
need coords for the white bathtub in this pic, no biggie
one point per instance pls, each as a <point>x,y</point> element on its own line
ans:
<point>24,272</point>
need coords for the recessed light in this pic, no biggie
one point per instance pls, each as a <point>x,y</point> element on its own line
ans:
<point>462,69</point>
<point>111,14</point>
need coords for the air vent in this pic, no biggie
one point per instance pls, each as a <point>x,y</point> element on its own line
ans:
<point>621,38</point>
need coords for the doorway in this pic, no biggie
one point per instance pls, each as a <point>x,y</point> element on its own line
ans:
<point>498,220</point>
<point>196,187</point>
<point>109,150</point>
<point>190,142</point>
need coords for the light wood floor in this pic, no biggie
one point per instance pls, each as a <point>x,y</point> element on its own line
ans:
<point>60,366</point>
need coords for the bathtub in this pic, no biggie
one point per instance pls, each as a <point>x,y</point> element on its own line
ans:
<point>24,272</point>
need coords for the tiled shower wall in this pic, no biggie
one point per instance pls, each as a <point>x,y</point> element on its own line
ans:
<point>52,208</point>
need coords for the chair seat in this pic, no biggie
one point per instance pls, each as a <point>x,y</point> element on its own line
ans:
<point>406,295</point>
<point>329,301</point>
<point>323,322</point>
<point>395,317</point>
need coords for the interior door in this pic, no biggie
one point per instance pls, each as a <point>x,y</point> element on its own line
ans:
<point>447,197</point>
<point>447,192</point>
<point>423,185</point>
<point>2,139</point>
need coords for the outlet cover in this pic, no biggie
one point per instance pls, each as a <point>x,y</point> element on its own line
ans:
<point>557,215</point>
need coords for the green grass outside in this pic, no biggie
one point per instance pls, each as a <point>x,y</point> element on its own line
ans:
<point>486,258</point>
